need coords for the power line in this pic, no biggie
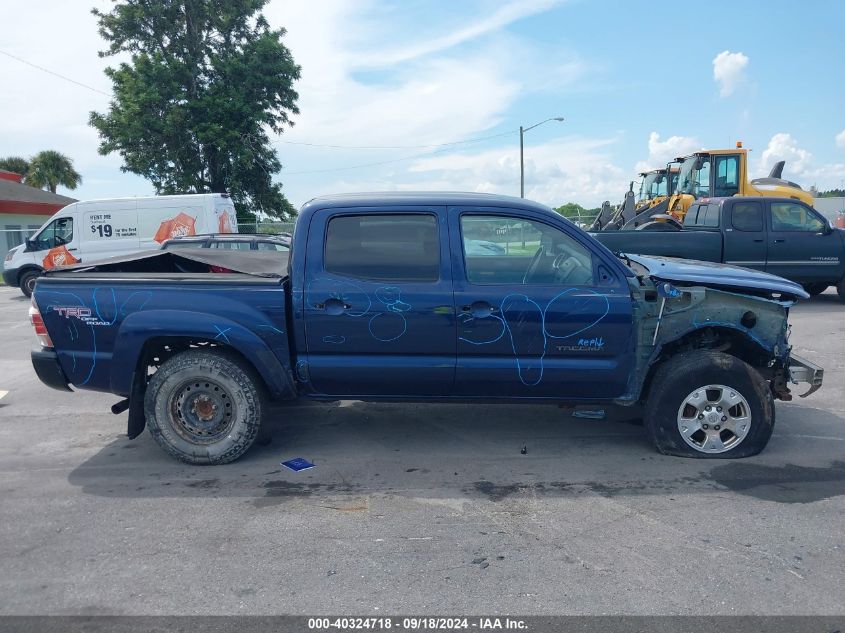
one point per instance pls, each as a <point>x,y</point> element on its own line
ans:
<point>55,74</point>
<point>470,140</point>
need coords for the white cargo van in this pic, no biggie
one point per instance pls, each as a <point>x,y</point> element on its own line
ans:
<point>96,229</point>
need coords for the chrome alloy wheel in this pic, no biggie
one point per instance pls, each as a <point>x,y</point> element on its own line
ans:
<point>714,419</point>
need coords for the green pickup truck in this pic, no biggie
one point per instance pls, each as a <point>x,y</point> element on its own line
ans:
<point>781,236</point>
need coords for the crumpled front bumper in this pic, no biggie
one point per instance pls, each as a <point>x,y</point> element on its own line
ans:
<point>802,370</point>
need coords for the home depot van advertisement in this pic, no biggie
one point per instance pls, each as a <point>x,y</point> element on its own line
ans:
<point>226,222</point>
<point>178,226</point>
<point>58,256</point>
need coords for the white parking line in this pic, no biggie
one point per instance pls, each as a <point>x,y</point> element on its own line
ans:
<point>3,394</point>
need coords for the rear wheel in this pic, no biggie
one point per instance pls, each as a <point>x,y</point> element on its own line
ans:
<point>709,405</point>
<point>27,282</point>
<point>204,407</point>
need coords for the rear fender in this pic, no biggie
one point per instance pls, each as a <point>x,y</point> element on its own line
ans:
<point>268,353</point>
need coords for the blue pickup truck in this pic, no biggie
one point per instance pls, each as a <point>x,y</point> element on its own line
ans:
<point>389,297</point>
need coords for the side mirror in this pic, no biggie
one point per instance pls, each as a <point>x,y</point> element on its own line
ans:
<point>29,245</point>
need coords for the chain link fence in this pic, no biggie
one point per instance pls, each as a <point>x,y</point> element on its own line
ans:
<point>266,227</point>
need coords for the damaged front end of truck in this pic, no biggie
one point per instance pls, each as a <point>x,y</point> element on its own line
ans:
<point>684,306</point>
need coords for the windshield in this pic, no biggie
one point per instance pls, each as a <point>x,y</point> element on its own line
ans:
<point>653,185</point>
<point>673,182</point>
<point>694,178</point>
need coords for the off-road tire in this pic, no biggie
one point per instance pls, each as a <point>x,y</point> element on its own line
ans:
<point>232,385</point>
<point>27,282</point>
<point>691,371</point>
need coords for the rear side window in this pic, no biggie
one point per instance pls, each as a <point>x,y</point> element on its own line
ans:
<point>747,216</point>
<point>711,217</point>
<point>702,215</point>
<point>401,247</point>
<point>691,218</point>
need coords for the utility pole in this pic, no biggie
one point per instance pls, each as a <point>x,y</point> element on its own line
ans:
<point>522,132</point>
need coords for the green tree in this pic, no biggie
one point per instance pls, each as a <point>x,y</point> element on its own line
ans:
<point>192,109</point>
<point>575,212</point>
<point>50,168</point>
<point>16,164</point>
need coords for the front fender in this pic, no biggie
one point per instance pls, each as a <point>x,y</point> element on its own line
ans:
<point>268,352</point>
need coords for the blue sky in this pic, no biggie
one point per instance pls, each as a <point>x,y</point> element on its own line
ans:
<point>418,73</point>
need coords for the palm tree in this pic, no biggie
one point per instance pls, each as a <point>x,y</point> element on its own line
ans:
<point>16,164</point>
<point>50,169</point>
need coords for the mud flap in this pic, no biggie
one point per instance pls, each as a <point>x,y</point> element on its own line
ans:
<point>137,422</point>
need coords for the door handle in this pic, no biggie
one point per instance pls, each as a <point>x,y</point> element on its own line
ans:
<point>333,306</point>
<point>779,241</point>
<point>71,249</point>
<point>758,241</point>
<point>479,309</point>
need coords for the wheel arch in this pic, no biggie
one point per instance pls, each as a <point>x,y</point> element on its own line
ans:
<point>138,347</point>
<point>734,341</point>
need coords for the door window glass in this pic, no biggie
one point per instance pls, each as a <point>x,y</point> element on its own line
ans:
<point>787,216</point>
<point>509,250</point>
<point>271,246</point>
<point>57,233</point>
<point>727,176</point>
<point>747,216</point>
<point>231,245</point>
<point>384,247</point>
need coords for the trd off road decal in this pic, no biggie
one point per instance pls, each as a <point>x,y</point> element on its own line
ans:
<point>58,256</point>
<point>178,226</point>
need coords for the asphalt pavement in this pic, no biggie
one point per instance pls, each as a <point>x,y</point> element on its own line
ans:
<point>419,509</point>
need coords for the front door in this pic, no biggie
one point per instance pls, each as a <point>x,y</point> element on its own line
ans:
<point>57,244</point>
<point>379,317</point>
<point>539,315</point>
<point>802,245</point>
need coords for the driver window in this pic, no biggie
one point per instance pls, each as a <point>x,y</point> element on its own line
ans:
<point>64,231</point>
<point>787,216</point>
<point>512,250</point>
<point>57,233</point>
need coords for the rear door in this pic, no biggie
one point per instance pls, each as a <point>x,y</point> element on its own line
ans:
<point>744,232</point>
<point>539,315</point>
<point>802,245</point>
<point>379,316</point>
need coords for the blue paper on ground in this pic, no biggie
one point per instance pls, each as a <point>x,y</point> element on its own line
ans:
<point>297,464</point>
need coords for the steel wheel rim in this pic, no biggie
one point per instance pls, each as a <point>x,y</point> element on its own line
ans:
<point>202,411</point>
<point>714,419</point>
<point>30,284</point>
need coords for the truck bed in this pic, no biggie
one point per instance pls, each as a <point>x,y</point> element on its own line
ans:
<point>699,245</point>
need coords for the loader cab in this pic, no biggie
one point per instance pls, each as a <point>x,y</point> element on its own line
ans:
<point>710,174</point>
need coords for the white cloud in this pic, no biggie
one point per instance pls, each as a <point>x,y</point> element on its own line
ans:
<point>840,139</point>
<point>557,171</point>
<point>783,146</point>
<point>800,166</point>
<point>729,71</point>
<point>661,152</point>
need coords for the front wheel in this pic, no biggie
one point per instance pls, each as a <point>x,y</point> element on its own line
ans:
<point>204,407</point>
<point>27,282</point>
<point>709,405</point>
